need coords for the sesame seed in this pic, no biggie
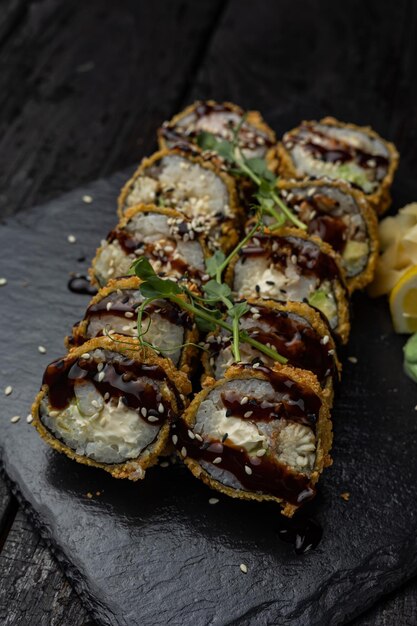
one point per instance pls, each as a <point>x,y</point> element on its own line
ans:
<point>3,281</point>
<point>248,470</point>
<point>160,407</point>
<point>217,460</point>
<point>109,306</point>
<point>352,359</point>
<point>174,439</point>
<point>200,438</point>
<point>330,352</point>
<point>95,403</point>
<point>294,259</point>
<point>100,366</point>
<point>144,411</point>
<point>15,419</point>
<point>100,376</point>
<point>53,413</point>
<point>255,365</point>
<point>106,396</point>
<point>125,328</point>
<point>8,390</point>
<point>244,400</point>
<point>164,464</point>
<point>325,340</point>
<point>243,568</point>
<point>184,451</point>
<point>29,418</point>
<point>191,434</point>
<point>261,452</point>
<point>71,239</point>
<point>87,199</point>
<point>213,500</point>
<point>42,349</point>
<point>129,314</point>
<point>85,355</point>
<point>153,418</point>
<point>247,414</point>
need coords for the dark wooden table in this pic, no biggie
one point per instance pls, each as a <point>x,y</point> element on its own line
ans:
<point>83,86</point>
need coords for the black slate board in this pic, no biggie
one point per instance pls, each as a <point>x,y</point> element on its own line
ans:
<point>157,552</point>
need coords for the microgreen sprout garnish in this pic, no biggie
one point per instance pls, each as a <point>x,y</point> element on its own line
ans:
<point>205,309</point>
<point>256,170</point>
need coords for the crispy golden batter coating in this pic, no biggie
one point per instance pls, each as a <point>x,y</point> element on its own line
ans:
<point>133,469</point>
<point>229,225</point>
<point>380,200</point>
<point>368,213</point>
<point>324,434</point>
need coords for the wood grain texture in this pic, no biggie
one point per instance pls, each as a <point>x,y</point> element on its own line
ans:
<point>83,85</point>
<point>33,589</point>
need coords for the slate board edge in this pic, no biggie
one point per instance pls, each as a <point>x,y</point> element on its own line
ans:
<point>383,582</point>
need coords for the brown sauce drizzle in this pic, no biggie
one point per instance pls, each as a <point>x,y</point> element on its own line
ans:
<point>310,259</point>
<point>293,337</point>
<point>124,301</point>
<point>268,476</point>
<point>129,380</point>
<point>81,285</point>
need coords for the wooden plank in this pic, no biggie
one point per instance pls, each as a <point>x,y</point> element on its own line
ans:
<point>83,87</point>
<point>33,589</point>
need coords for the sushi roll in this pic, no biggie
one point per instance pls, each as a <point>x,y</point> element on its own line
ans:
<point>163,235</point>
<point>255,137</point>
<point>258,434</point>
<point>330,148</point>
<point>290,265</point>
<point>114,311</point>
<point>110,404</point>
<point>184,181</point>
<point>340,216</point>
<point>295,330</point>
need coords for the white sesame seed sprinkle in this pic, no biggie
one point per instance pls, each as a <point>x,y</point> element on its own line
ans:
<point>160,407</point>
<point>29,418</point>
<point>8,390</point>
<point>15,419</point>
<point>3,281</point>
<point>129,314</point>
<point>87,199</point>
<point>85,355</point>
<point>164,464</point>
<point>184,451</point>
<point>243,568</point>
<point>42,349</point>
<point>325,340</point>
<point>330,352</point>
<point>153,418</point>
<point>174,439</point>
<point>144,411</point>
<point>353,359</point>
<point>200,438</point>
<point>247,414</point>
<point>244,400</point>
<point>261,452</point>
<point>100,366</point>
<point>191,434</point>
<point>255,365</point>
<point>71,239</point>
<point>109,306</point>
<point>213,500</point>
<point>248,470</point>
<point>217,460</point>
<point>106,396</point>
<point>100,376</point>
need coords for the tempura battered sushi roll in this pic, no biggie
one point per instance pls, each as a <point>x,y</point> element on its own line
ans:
<point>293,266</point>
<point>295,330</point>
<point>114,311</point>
<point>221,119</point>
<point>184,181</point>
<point>164,236</point>
<point>356,154</point>
<point>258,434</point>
<point>110,405</point>
<point>340,216</point>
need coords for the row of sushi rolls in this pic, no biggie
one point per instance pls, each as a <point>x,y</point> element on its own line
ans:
<point>222,303</point>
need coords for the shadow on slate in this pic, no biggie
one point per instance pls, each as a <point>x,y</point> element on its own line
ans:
<point>156,552</point>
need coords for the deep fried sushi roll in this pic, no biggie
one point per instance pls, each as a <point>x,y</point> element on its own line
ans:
<point>258,434</point>
<point>293,266</point>
<point>110,405</point>
<point>295,330</point>
<point>114,311</point>
<point>164,236</point>
<point>356,154</point>
<point>184,181</point>
<point>340,216</point>
<point>223,120</point>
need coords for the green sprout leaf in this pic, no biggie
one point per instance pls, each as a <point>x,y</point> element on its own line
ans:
<point>215,290</point>
<point>215,262</point>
